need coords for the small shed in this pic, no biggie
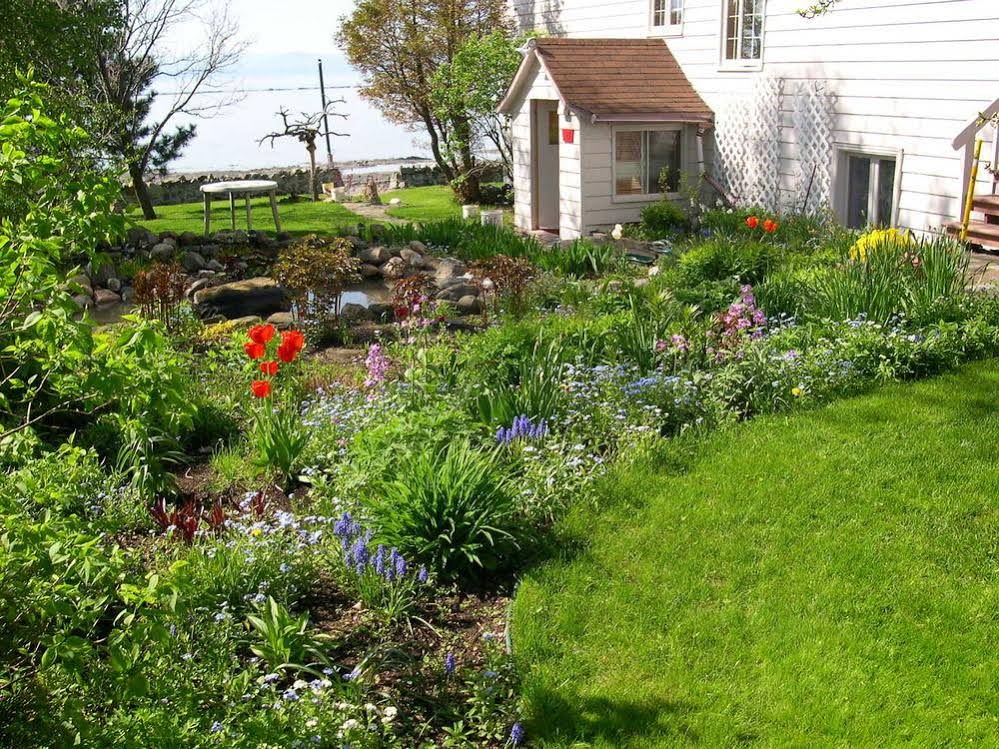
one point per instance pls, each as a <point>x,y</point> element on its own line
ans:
<point>595,124</point>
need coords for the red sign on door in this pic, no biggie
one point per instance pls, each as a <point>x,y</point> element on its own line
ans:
<point>568,135</point>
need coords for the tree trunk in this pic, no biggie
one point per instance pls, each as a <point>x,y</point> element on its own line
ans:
<point>311,147</point>
<point>141,191</point>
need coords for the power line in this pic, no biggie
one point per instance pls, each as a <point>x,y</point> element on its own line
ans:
<point>251,90</point>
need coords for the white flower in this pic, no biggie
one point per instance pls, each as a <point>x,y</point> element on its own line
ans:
<point>350,725</point>
<point>618,231</point>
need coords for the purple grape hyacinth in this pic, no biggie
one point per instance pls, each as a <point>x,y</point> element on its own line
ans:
<point>523,428</point>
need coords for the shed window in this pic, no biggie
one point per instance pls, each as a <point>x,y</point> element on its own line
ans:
<point>744,31</point>
<point>646,162</point>
<point>666,14</point>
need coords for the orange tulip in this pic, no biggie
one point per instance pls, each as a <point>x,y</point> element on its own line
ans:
<point>752,222</point>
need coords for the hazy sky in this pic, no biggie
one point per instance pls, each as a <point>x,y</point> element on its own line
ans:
<point>286,38</point>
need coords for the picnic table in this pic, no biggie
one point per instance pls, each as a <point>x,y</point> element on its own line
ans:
<point>246,188</point>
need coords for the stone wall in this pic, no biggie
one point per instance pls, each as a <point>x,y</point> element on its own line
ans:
<point>186,188</point>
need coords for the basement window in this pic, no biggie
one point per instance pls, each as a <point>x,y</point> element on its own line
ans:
<point>647,162</point>
<point>870,190</point>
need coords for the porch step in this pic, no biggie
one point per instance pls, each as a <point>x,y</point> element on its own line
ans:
<point>988,205</point>
<point>979,232</point>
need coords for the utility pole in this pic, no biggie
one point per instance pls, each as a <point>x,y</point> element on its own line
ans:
<point>326,122</point>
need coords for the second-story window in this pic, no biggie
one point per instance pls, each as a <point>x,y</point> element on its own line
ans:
<point>744,31</point>
<point>667,15</point>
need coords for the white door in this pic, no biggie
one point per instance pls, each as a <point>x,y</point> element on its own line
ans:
<point>546,165</point>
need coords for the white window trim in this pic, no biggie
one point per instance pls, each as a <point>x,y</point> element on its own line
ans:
<point>841,177</point>
<point>649,197</point>
<point>727,65</point>
<point>667,29</point>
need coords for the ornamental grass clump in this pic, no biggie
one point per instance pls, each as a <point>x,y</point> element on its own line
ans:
<point>886,273</point>
<point>451,508</point>
<point>278,430</point>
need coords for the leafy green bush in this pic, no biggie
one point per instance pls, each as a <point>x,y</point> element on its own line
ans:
<point>452,508</point>
<point>663,219</point>
<point>724,258</point>
<point>581,258</point>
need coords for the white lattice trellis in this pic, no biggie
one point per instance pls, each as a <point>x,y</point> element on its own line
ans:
<point>747,141</point>
<point>813,130</point>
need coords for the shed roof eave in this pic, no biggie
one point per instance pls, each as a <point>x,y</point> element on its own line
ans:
<point>649,117</point>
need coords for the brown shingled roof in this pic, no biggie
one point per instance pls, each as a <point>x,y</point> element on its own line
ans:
<point>614,79</point>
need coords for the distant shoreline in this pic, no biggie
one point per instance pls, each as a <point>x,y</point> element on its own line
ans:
<point>346,167</point>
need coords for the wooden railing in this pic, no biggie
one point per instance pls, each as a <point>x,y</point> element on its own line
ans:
<point>966,140</point>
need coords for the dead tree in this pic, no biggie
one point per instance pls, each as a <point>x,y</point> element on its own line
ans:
<point>307,129</point>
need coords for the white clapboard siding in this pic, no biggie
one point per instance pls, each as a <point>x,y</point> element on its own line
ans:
<point>905,74</point>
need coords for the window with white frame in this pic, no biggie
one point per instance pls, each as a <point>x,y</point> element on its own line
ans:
<point>868,192</point>
<point>667,15</point>
<point>647,162</point>
<point>743,32</point>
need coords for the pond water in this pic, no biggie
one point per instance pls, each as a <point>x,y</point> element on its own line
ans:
<point>365,294</point>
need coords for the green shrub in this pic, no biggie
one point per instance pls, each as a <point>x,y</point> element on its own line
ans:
<point>663,218</point>
<point>725,258</point>
<point>580,259</point>
<point>533,390</point>
<point>451,508</point>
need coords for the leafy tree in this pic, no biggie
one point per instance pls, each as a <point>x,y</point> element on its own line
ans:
<point>56,38</point>
<point>471,86</point>
<point>57,207</point>
<point>136,56</point>
<point>398,45</point>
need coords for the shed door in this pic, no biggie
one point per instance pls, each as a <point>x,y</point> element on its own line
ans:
<point>546,165</point>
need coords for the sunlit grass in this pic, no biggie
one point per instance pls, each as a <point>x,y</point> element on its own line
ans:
<point>828,579</point>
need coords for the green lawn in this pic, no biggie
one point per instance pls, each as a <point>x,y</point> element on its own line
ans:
<point>828,579</point>
<point>301,217</point>
<point>423,203</point>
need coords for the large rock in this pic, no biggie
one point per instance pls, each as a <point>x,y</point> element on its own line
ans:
<point>193,262</point>
<point>189,239</point>
<point>354,313</point>
<point>469,305</point>
<point>413,258</point>
<point>395,268</point>
<point>375,255</point>
<point>282,320</point>
<point>456,291</point>
<point>106,297</point>
<point>162,252</point>
<point>253,296</point>
<point>382,312</point>
<point>448,269</point>
<point>80,284</point>
<point>140,237</point>
<point>370,271</point>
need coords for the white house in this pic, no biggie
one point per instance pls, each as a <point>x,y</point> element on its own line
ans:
<point>869,109</point>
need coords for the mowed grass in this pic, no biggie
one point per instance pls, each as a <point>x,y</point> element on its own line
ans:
<point>300,217</point>
<point>825,579</point>
<point>423,203</point>
<point>433,203</point>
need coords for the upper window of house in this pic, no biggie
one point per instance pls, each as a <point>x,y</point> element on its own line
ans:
<point>743,32</point>
<point>667,15</point>
<point>647,162</point>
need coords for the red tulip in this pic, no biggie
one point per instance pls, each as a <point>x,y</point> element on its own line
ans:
<point>262,333</point>
<point>294,339</point>
<point>769,226</point>
<point>752,222</point>
<point>269,368</point>
<point>254,350</point>
<point>287,352</point>
<point>260,388</point>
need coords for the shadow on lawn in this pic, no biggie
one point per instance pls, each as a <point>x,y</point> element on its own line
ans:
<point>565,720</point>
